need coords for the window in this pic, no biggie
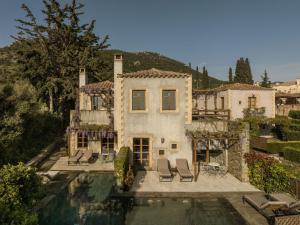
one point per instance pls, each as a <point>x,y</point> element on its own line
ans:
<point>174,146</point>
<point>107,145</point>
<point>169,100</point>
<point>222,103</point>
<point>252,102</point>
<point>82,140</point>
<point>97,103</point>
<point>138,100</point>
<point>161,152</point>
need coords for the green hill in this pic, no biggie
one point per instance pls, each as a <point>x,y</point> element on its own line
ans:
<point>133,61</point>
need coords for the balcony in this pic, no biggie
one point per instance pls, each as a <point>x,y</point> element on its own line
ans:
<point>254,111</point>
<point>99,117</point>
<point>223,114</point>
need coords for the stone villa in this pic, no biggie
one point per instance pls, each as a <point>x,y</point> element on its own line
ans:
<point>158,115</point>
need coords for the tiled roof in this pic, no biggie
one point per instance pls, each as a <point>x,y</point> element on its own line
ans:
<point>104,85</point>
<point>287,95</point>
<point>154,73</point>
<point>234,86</point>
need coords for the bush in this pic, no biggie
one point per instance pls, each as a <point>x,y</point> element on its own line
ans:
<point>19,190</point>
<point>121,166</point>
<point>278,146</point>
<point>292,154</point>
<point>295,114</point>
<point>290,134</point>
<point>266,173</point>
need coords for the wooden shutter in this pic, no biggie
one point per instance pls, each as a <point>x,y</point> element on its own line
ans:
<point>138,100</point>
<point>169,100</point>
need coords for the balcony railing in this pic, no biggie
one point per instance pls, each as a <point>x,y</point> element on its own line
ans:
<point>254,111</point>
<point>223,114</point>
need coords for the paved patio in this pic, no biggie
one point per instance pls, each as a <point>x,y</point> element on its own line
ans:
<point>149,182</point>
<point>97,166</point>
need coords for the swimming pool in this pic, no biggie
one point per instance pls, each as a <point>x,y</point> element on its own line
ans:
<point>88,201</point>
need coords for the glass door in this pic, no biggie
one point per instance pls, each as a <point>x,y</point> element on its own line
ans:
<point>141,151</point>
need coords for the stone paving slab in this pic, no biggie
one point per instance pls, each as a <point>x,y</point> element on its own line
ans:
<point>97,166</point>
<point>148,181</point>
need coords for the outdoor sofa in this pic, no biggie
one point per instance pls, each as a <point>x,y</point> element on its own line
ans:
<point>87,156</point>
<point>278,208</point>
<point>183,170</point>
<point>163,168</point>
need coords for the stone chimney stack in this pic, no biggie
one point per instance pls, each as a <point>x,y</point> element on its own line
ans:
<point>82,77</point>
<point>118,65</point>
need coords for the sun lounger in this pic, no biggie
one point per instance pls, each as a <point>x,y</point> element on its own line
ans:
<point>87,156</point>
<point>74,159</point>
<point>265,206</point>
<point>292,203</point>
<point>183,170</point>
<point>163,169</point>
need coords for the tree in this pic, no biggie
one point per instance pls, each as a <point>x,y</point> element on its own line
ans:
<point>243,72</point>
<point>51,53</point>
<point>19,190</point>
<point>265,80</point>
<point>230,76</point>
<point>205,80</point>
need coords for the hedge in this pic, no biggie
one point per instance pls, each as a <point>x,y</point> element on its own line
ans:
<point>278,146</point>
<point>121,165</point>
<point>292,154</point>
<point>289,134</point>
<point>295,114</point>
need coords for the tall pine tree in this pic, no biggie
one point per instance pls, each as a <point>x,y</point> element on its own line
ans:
<point>265,80</point>
<point>51,52</point>
<point>243,72</point>
<point>205,79</point>
<point>230,76</point>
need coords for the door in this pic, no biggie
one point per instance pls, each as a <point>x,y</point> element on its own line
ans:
<point>141,152</point>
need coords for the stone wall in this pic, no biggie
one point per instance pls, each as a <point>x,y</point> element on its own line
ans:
<point>283,110</point>
<point>236,162</point>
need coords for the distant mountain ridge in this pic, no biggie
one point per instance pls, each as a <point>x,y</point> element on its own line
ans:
<point>133,61</point>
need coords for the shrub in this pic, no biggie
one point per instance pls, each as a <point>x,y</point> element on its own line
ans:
<point>278,146</point>
<point>121,164</point>
<point>266,173</point>
<point>292,154</point>
<point>295,114</point>
<point>289,134</point>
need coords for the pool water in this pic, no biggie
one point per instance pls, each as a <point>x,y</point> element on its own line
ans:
<point>87,201</point>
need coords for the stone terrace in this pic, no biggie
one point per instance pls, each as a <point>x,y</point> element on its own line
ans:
<point>149,182</point>
<point>97,166</point>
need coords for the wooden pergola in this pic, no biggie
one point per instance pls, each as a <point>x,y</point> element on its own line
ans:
<point>225,138</point>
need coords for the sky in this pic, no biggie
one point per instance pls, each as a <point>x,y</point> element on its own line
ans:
<point>211,33</point>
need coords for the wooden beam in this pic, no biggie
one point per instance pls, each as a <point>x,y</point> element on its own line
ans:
<point>207,152</point>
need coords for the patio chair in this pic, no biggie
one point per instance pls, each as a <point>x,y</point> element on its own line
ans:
<point>73,160</point>
<point>163,169</point>
<point>183,170</point>
<point>265,206</point>
<point>293,204</point>
<point>87,156</point>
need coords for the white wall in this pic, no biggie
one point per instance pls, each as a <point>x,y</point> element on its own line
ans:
<point>155,124</point>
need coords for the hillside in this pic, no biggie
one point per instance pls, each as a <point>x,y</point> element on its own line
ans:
<point>132,62</point>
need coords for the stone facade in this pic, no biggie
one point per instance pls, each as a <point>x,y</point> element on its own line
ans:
<point>236,163</point>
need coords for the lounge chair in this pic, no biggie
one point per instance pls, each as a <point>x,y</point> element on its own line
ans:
<point>74,159</point>
<point>163,169</point>
<point>183,170</point>
<point>87,156</point>
<point>292,203</point>
<point>264,205</point>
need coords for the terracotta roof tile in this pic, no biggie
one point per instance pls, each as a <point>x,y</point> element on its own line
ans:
<point>154,73</point>
<point>104,85</point>
<point>234,86</point>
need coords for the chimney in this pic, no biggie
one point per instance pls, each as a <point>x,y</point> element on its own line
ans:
<point>118,65</point>
<point>82,77</point>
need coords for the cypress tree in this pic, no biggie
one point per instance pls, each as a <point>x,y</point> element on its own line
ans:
<point>243,72</point>
<point>205,80</point>
<point>230,78</point>
<point>265,80</point>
